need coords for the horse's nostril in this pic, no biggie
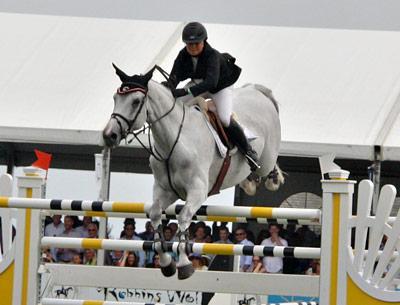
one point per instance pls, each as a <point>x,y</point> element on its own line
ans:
<point>114,136</point>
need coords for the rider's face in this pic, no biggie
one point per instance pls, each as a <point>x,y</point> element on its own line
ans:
<point>194,49</point>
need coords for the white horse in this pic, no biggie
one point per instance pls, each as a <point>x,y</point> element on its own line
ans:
<point>185,161</point>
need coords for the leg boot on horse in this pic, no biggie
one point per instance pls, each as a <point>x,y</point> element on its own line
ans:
<point>168,265</point>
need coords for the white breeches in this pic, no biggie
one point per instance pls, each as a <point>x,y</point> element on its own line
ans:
<point>223,102</point>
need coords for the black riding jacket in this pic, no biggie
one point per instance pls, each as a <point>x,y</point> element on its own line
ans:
<point>214,68</point>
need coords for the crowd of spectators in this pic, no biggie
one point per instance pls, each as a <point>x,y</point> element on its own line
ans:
<point>272,235</point>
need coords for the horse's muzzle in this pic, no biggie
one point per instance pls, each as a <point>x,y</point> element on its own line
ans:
<point>110,137</point>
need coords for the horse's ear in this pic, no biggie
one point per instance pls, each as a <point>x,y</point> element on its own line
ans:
<point>147,77</point>
<point>121,74</point>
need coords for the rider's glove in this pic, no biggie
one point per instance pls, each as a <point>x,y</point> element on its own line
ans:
<point>166,84</point>
<point>179,92</point>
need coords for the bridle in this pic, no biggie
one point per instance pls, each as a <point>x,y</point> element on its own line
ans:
<point>131,87</point>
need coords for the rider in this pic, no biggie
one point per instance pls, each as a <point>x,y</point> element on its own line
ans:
<point>213,74</point>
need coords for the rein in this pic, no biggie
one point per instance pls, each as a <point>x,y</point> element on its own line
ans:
<point>125,133</point>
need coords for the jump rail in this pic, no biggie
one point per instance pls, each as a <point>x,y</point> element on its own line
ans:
<point>213,212</point>
<point>198,248</point>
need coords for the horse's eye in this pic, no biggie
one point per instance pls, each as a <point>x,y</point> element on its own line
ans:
<point>136,101</point>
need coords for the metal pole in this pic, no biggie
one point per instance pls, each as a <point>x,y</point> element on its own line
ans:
<point>376,178</point>
<point>102,169</point>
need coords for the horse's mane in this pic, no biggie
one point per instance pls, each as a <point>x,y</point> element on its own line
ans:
<point>266,91</point>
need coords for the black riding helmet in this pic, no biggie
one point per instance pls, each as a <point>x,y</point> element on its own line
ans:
<point>194,32</point>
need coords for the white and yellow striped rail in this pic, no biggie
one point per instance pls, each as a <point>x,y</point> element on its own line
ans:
<point>199,248</point>
<point>205,213</point>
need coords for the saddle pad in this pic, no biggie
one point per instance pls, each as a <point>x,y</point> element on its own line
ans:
<point>221,147</point>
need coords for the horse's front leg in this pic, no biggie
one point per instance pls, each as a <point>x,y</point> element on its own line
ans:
<point>196,195</point>
<point>161,200</point>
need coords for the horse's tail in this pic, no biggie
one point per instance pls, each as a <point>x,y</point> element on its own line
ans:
<point>267,92</point>
<point>275,179</point>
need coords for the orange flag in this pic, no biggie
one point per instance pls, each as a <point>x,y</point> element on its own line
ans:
<point>43,160</point>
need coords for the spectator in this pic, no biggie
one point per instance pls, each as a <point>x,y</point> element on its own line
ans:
<point>130,260</point>
<point>90,257</point>
<point>256,265</point>
<point>174,228</point>
<point>208,238</point>
<point>156,261</point>
<point>65,255</point>
<point>116,257</point>
<point>92,230</point>
<point>199,233</point>
<point>47,256</point>
<point>148,234</point>
<point>167,232</point>
<point>54,229</point>
<point>83,229</point>
<point>273,264</point>
<point>76,259</point>
<point>129,234</point>
<point>307,238</point>
<point>198,261</point>
<point>223,236</point>
<point>241,239</point>
<point>314,267</point>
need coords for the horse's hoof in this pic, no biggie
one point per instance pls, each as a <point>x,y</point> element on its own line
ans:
<point>169,270</point>
<point>185,272</point>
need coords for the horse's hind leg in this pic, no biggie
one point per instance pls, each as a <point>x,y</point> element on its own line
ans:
<point>162,199</point>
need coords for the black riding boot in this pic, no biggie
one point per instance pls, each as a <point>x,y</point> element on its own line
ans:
<point>237,136</point>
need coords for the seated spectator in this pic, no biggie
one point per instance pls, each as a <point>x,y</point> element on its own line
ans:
<point>156,261</point>
<point>65,255</point>
<point>148,233</point>
<point>130,260</point>
<point>198,261</point>
<point>273,264</point>
<point>83,229</point>
<point>76,259</point>
<point>47,256</point>
<point>90,257</point>
<point>241,239</point>
<point>314,267</point>
<point>129,234</point>
<point>174,227</point>
<point>208,238</point>
<point>223,234</point>
<point>54,229</point>
<point>256,265</point>
<point>199,235</point>
<point>92,230</point>
<point>116,257</point>
<point>167,232</point>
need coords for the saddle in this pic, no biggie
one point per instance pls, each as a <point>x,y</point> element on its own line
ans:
<point>208,108</point>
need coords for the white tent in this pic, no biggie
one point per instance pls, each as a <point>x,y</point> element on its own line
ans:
<point>338,89</point>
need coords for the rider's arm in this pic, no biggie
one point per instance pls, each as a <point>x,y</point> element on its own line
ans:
<point>177,72</point>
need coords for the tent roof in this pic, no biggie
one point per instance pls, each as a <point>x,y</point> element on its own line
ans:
<point>338,89</point>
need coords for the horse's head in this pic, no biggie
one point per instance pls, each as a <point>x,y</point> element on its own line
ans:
<point>129,112</point>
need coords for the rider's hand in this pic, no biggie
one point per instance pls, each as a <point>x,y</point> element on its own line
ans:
<point>179,92</point>
<point>166,84</point>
